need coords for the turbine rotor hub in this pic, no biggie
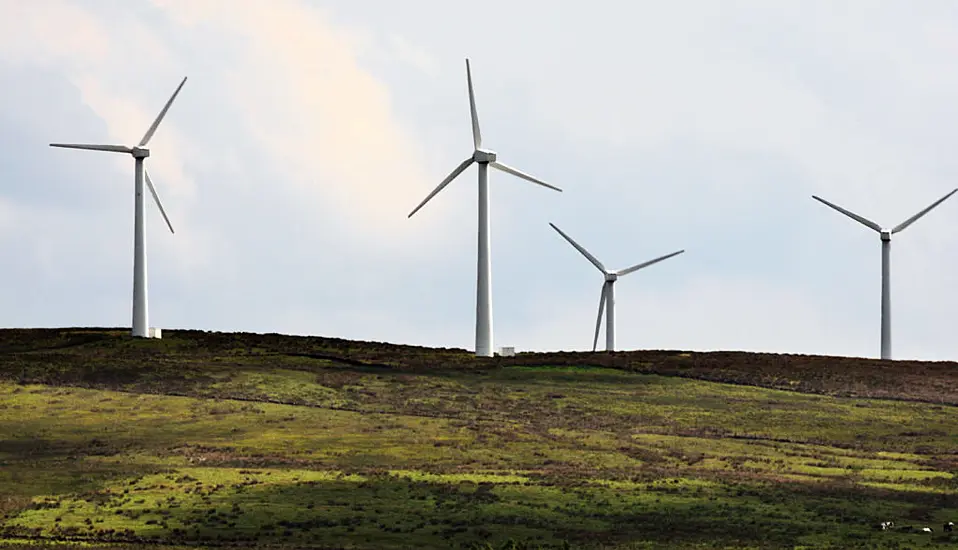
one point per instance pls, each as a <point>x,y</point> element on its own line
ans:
<point>140,153</point>
<point>611,277</point>
<point>484,156</point>
<point>885,235</point>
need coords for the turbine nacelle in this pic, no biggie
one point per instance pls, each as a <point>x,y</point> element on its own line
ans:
<point>139,152</point>
<point>885,234</point>
<point>484,156</point>
<point>611,277</point>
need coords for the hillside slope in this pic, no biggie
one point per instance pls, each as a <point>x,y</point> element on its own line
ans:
<point>237,439</point>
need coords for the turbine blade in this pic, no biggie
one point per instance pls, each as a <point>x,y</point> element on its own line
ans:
<point>149,183</point>
<point>523,175</point>
<point>581,249</point>
<point>87,147</point>
<point>864,221</point>
<point>476,135</point>
<point>459,169</point>
<point>159,118</point>
<point>914,218</point>
<point>637,267</point>
<point>598,319</point>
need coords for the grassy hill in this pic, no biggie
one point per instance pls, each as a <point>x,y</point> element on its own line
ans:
<point>237,440</point>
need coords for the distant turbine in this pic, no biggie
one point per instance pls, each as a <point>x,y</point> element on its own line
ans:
<point>885,262</point>
<point>608,290</point>
<point>141,323</point>
<point>484,158</point>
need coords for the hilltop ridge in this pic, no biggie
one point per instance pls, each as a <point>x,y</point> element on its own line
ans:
<point>24,352</point>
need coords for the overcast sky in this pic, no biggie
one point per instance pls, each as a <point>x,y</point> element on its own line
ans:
<point>308,130</point>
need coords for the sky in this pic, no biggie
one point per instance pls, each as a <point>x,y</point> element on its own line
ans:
<point>309,129</point>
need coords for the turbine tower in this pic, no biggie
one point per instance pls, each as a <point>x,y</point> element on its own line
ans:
<point>141,324</point>
<point>484,158</point>
<point>885,235</point>
<point>608,289</point>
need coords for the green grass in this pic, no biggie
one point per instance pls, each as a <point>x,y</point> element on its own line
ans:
<point>226,440</point>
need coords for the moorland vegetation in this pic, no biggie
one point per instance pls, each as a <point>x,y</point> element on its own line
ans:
<point>236,440</point>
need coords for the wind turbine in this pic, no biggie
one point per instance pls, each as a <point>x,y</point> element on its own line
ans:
<point>885,235</point>
<point>141,325</point>
<point>484,158</point>
<point>608,289</point>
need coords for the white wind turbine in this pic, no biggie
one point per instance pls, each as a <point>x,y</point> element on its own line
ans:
<point>885,235</point>
<point>141,325</point>
<point>608,290</point>
<point>483,158</point>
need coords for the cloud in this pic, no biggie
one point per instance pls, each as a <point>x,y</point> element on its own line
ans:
<point>413,55</point>
<point>8,217</point>
<point>324,154</point>
<point>319,115</point>
<point>309,129</point>
<point>53,31</point>
<point>323,121</point>
<point>711,86</point>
